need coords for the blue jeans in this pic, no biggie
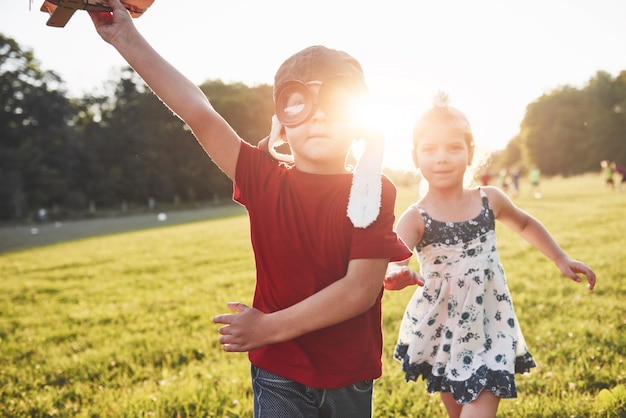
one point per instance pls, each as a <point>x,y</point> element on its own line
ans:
<point>276,397</point>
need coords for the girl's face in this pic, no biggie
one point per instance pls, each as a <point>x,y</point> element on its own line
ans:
<point>442,155</point>
<point>320,145</point>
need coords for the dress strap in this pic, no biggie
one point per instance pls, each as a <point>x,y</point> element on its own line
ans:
<point>487,209</point>
<point>484,199</point>
<point>417,207</point>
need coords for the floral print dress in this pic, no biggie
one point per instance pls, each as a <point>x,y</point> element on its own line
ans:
<point>459,331</point>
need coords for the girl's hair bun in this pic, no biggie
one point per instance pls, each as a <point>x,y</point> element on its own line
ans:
<point>441,99</point>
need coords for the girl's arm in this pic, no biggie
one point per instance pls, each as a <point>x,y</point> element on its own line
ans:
<point>410,228</point>
<point>537,235</point>
<point>183,97</point>
<point>346,298</point>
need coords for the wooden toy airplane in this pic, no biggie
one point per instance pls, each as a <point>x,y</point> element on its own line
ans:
<point>62,10</point>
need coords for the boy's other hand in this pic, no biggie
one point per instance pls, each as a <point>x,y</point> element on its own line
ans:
<point>245,330</point>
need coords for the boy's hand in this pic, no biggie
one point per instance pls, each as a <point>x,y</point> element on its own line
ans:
<point>572,268</point>
<point>401,278</point>
<point>110,25</point>
<point>245,330</point>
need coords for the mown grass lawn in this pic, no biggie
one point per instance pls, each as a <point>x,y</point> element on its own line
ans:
<point>121,325</point>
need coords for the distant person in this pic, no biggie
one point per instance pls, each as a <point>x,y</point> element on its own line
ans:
<point>504,179</point>
<point>460,332</point>
<point>514,174</point>
<point>621,171</point>
<point>485,178</point>
<point>322,235</point>
<point>607,172</point>
<point>42,215</point>
<point>535,181</point>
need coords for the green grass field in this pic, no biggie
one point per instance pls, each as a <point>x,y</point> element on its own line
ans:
<point>121,325</point>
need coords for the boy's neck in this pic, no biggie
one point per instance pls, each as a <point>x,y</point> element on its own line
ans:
<point>323,168</point>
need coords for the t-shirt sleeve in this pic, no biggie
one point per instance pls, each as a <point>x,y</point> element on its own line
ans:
<point>379,240</point>
<point>251,166</point>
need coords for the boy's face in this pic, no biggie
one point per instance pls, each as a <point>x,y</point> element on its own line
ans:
<point>320,143</point>
<point>320,121</point>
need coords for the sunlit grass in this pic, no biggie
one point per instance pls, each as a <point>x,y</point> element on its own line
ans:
<point>122,325</point>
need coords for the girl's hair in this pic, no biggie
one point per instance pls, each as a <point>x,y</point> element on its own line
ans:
<point>446,116</point>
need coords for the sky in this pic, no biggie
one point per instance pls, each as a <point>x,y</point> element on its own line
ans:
<point>493,57</point>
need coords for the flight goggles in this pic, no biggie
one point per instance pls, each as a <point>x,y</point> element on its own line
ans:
<point>296,102</point>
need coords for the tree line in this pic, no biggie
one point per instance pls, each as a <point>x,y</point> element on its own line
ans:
<point>75,156</point>
<point>119,150</point>
<point>569,130</point>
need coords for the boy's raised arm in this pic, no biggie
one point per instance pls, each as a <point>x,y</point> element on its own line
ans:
<point>183,97</point>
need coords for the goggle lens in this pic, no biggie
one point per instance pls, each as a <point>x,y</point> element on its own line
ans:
<point>296,102</point>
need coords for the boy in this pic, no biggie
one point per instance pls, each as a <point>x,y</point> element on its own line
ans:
<point>314,332</point>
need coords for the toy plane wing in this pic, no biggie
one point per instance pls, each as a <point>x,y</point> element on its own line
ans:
<point>62,10</point>
<point>60,14</point>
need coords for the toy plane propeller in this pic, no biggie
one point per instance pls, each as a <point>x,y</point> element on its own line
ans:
<point>62,10</point>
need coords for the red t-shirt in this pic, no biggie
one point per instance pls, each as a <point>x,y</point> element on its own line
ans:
<point>303,241</point>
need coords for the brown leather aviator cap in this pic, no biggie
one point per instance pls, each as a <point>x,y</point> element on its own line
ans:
<point>318,63</point>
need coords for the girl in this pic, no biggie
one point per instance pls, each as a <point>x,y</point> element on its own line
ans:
<point>460,332</point>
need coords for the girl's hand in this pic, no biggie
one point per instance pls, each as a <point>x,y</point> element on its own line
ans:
<point>572,269</point>
<point>110,25</point>
<point>401,278</point>
<point>245,330</point>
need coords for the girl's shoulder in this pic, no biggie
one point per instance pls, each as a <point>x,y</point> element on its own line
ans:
<point>417,206</point>
<point>497,198</point>
<point>492,192</point>
<point>414,212</point>
<point>411,225</point>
